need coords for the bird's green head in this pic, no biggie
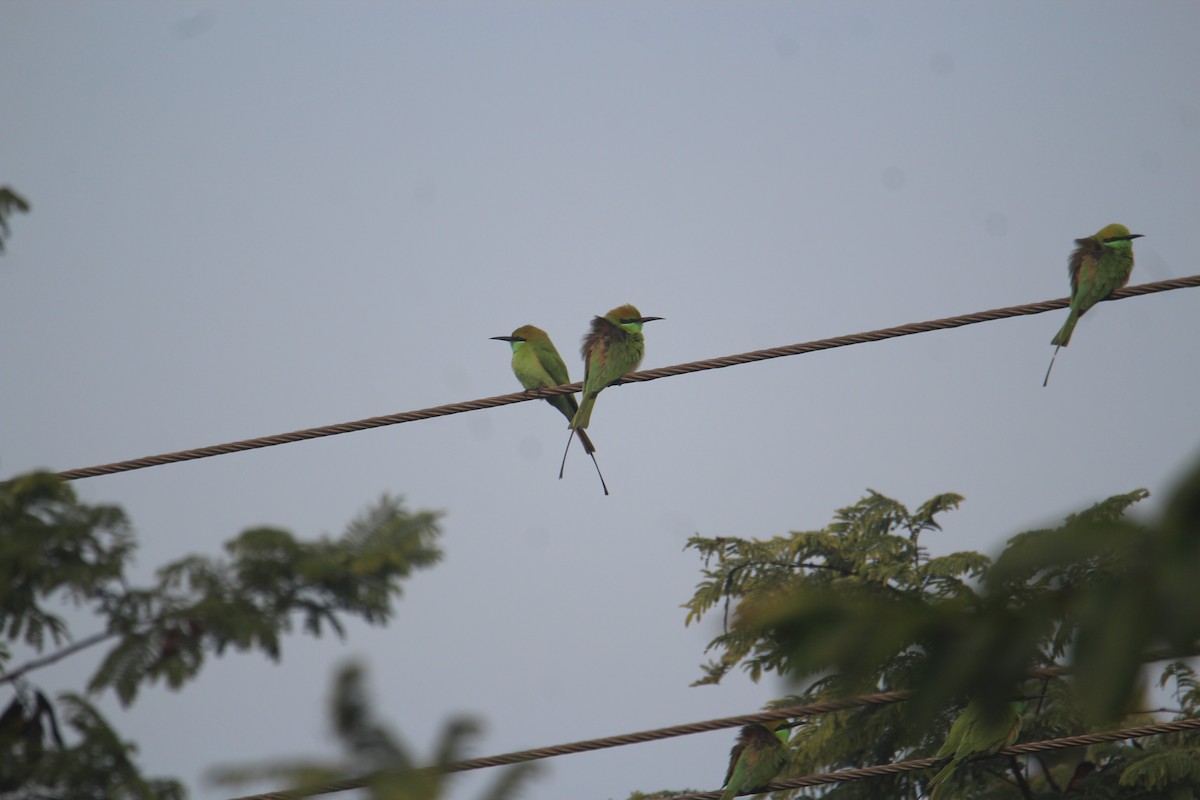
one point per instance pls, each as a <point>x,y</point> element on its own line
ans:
<point>525,333</point>
<point>1118,235</point>
<point>782,729</point>
<point>628,317</point>
<point>519,337</point>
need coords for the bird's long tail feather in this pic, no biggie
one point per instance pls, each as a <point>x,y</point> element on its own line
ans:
<point>591,451</point>
<point>603,485</point>
<point>1046,379</point>
<point>937,783</point>
<point>563,465</point>
<point>1061,340</point>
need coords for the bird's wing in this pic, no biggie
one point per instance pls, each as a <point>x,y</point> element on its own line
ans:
<point>530,369</point>
<point>957,731</point>
<point>988,737</point>
<point>553,364</point>
<point>555,374</point>
<point>1007,731</point>
<point>598,369</point>
<point>735,755</point>
<point>1082,262</point>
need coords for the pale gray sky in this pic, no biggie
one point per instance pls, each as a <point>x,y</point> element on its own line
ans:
<point>256,217</point>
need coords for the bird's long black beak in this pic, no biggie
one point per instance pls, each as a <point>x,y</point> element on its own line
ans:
<point>507,338</point>
<point>649,319</point>
<point>1128,238</point>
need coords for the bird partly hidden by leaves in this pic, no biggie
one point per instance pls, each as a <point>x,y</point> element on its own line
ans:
<point>758,756</point>
<point>537,365</point>
<point>1099,265</point>
<point>971,736</point>
<point>613,347</point>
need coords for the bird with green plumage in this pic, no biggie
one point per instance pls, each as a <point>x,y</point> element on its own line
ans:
<point>759,755</point>
<point>537,365</point>
<point>611,349</point>
<point>1099,265</point>
<point>973,735</point>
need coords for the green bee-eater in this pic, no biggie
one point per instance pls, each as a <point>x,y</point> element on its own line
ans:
<point>537,365</point>
<point>613,347</point>
<point>1100,265</point>
<point>971,735</point>
<point>758,756</point>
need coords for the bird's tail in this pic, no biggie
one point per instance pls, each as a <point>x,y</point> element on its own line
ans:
<point>584,415</point>
<point>1063,337</point>
<point>567,449</point>
<point>938,782</point>
<point>1060,340</point>
<point>603,485</point>
<point>1046,379</point>
<point>589,448</point>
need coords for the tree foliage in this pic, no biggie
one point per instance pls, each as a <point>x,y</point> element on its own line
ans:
<point>860,606</point>
<point>376,760</point>
<point>250,599</point>
<point>54,547</point>
<point>96,765</point>
<point>10,202</point>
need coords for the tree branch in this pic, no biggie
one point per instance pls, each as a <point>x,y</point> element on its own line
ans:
<point>38,663</point>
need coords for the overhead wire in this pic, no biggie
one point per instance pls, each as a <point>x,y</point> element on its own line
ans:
<point>638,737</point>
<point>636,377</point>
<point>861,773</point>
<point>686,729</point>
<point>840,776</point>
<point>649,375</point>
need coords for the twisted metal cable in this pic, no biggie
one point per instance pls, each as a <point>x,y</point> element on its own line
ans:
<point>638,737</point>
<point>636,377</point>
<point>842,776</point>
<point>641,737</point>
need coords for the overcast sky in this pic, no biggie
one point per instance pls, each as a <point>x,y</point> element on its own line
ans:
<point>250,218</point>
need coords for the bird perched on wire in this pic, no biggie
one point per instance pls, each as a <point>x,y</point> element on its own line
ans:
<point>1100,265</point>
<point>973,735</point>
<point>537,365</point>
<point>612,348</point>
<point>758,756</point>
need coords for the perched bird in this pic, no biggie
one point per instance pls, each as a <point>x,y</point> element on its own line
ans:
<point>1100,265</point>
<point>971,735</point>
<point>756,759</point>
<point>613,347</point>
<point>537,365</point>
